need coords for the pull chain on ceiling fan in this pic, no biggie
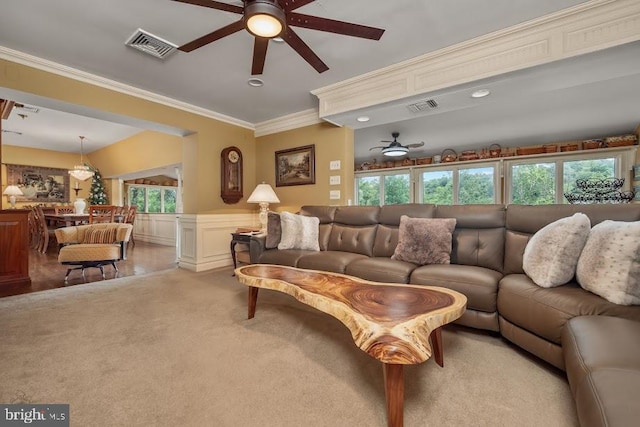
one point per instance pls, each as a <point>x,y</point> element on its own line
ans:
<point>266,19</point>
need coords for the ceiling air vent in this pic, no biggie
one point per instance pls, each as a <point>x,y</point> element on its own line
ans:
<point>427,104</point>
<point>148,43</point>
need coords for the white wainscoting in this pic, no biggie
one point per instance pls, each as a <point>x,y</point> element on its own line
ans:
<point>156,228</point>
<point>203,239</point>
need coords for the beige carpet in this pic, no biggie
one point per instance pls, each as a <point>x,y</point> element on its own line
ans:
<point>175,349</point>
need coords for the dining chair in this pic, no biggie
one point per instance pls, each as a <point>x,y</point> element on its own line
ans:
<point>129,218</point>
<point>67,209</point>
<point>101,213</point>
<point>43,230</point>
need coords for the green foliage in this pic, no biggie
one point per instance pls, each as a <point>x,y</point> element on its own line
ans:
<point>97,195</point>
<point>136,197</point>
<point>534,184</point>
<point>586,169</point>
<point>476,186</point>
<point>396,189</point>
<point>369,191</point>
<point>170,200</point>
<point>438,187</point>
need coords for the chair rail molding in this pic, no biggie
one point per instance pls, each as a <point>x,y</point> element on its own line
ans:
<point>588,27</point>
<point>203,239</point>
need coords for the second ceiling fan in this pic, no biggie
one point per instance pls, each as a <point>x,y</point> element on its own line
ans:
<point>266,19</point>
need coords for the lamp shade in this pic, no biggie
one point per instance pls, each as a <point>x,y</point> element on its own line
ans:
<point>12,190</point>
<point>263,193</point>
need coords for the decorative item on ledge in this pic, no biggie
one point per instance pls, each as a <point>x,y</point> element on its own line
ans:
<point>599,191</point>
<point>449,155</point>
<point>592,144</point>
<point>468,155</point>
<point>525,151</point>
<point>550,148</point>
<point>621,141</point>
<point>495,150</point>
<point>569,147</point>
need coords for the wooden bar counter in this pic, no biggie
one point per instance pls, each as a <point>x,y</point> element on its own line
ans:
<point>14,248</point>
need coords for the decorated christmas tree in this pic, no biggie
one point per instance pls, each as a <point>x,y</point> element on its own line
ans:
<point>97,195</point>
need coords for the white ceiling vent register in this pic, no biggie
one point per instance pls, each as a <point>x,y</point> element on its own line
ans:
<point>148,43</point>
<point>427,104</point>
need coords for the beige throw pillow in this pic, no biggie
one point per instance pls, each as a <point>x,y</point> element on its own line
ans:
<point>425,240</point>
<point>610,262</point>
<point>551,255</point>
<point>299,232</point>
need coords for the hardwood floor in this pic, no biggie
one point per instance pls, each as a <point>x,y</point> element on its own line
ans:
<point>47,273</point>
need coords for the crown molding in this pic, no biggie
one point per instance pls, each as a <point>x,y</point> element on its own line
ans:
<point>288,122</point>
<point>72,73</point>
<point>587,27</point>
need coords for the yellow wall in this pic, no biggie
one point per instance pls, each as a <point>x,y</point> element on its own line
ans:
<point>13,155</point>
<point>201,193</point>
<point>331,143</point>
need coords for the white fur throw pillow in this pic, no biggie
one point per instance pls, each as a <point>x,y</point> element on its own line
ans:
<point>551,255</point>
<point>610,262</point>
<point>299,232</point>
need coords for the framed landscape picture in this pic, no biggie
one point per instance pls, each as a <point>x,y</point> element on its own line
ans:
<point>39,184</point>
<point>296,166</point>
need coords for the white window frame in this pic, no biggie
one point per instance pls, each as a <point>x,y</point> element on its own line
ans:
<point>146,188</point>
<point>381,173</point>
<point>455,168</point>
<point>623,162</point>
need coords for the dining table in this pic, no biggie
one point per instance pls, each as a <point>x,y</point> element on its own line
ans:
<point>69,219</point>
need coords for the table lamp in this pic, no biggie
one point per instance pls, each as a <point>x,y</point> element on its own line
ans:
<point>263,194</point>
<point>12,191</point>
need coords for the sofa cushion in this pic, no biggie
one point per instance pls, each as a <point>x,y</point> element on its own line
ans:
<point>334,261</point>
<point>381,269</point>
<point>545,311</point>
<point>299,232</point>
<point>478,284</point>
<point>610,262</point>
<point>603,368</point>
<point>425,240</point>
<point>288,257</point>
<point>552,253</point>
<point>274,230</point>
<point>356,239</point>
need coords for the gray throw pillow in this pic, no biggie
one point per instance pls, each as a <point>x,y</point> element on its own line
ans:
<point>274,230</point>
<point>551,255</point>
<point>425,240</point>
<point>610,262</point>
<point>299,232</point>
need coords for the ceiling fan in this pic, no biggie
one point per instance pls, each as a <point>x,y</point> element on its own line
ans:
<point>395,149</point>
<point>267,19</point>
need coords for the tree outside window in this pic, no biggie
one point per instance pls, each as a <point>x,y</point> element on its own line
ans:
<point>533,184</point>
<point>476,186</point>
<point>396,189</point>
<point>369,191</point>
<point>437,187</point>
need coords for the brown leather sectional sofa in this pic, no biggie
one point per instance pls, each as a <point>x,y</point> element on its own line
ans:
<point>595,341</point>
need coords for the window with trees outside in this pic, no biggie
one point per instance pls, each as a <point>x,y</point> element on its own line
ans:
<point>537,182</point>
<point>153,199</point>
<point>533,180</point>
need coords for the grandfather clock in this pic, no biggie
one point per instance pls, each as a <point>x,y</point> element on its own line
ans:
<point>231,175</point>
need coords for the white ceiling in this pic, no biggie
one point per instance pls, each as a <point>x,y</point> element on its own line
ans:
<point>89,36</point>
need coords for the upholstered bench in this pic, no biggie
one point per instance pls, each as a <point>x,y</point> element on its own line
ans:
<point>94,245</point>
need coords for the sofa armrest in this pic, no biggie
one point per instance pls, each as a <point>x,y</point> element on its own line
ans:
<point>257,247</point>
<point>67,235</point>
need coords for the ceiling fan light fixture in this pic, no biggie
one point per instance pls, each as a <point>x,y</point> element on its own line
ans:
<point>264,18</point>
<point>395,151</point>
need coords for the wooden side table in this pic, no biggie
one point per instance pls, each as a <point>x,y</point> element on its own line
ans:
<point>244,238</point>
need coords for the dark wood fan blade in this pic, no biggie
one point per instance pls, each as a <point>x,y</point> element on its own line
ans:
<point>332,26</point>
<point>214,5</point>
<point>416,145</point>
<point>305,51</point>
<point>211,37</point>
<point>289,5</point>
<point>259,54</point>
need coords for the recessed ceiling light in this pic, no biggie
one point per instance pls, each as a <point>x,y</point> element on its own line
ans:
<point>255,82</point>
<point>480,93</point>
<point>363,119</point>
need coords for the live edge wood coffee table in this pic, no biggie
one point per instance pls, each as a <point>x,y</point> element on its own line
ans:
<point>393,323</point>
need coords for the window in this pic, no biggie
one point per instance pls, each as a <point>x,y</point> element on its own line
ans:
<point>459,185</point>
<point>153,199</point>
<point>392,187</point>
<point>536,181</point>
